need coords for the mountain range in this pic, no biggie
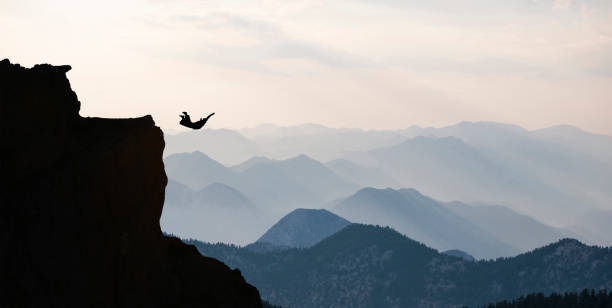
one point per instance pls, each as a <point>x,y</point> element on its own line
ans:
<point>485,231</point>
<point>557,175</point>
<point>216,213</point>
<point>569,167</point>
<point>423,219</point>
<point>280,186</point>
<point>224,145</point>
<point>273,188</point>
<point>518,230</point>
<point>364,176</point>
<point>451,169</point>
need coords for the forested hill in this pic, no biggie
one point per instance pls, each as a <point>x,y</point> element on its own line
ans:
<point>303,228</point>
<point>584,299</point>
<point>371,266</point>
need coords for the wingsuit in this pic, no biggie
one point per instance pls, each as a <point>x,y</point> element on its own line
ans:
<point>186,121</point>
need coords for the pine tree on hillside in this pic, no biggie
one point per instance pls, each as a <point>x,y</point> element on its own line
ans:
<point>584,299</point>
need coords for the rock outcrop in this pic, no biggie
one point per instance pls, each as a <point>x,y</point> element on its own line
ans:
<point>80,202</point>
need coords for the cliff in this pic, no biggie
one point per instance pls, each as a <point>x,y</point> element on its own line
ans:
<point>81,200</point>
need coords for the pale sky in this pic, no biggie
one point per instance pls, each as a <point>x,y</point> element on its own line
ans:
<point>372,64</point>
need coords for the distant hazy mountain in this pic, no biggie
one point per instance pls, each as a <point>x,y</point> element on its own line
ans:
<point>444,167</point>
<point>423,219</point>
<point>271,131</point>
<point>324,143</point>
<point>196,170</point>
<point>303,228</point>
<point>367,266</point>
<point>233,147</point>
<point>223,196</point>
<point>541,172</point>
<point>597,222</point>
<point>226,146</point>
<point>215,213</point>
<point>460,254</point>
<point>518,230</point>
<point>178,194</point>
<point>315,177</point>
<point>276,185</point>
<point>317,141</point>
<point>473,133</point>
<point>269,185</point>
<point>250,163</point>
<point>451,169</point>
<point>567,170</point>
<point>595,145</point>
<point>362,175</point>
<point>578,168</point>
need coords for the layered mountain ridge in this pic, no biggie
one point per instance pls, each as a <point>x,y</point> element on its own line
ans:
<point>303,228</point>
<point>279,185</point>
<point>215,213</point>
<point>556,175</point>
<point>422,219</point>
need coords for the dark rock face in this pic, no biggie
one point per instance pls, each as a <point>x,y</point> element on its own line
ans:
<point>81,200</point>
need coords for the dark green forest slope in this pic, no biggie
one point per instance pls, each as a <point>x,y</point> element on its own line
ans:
<point>584,299</point>
<point>371,266</point>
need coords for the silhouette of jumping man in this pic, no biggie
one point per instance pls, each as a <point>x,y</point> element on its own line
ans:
<point>186,121</point>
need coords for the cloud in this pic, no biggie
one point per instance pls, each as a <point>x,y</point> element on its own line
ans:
<point>250,43</point>
<point>563,4</point>
<point>466,6</point>
<point>478,66</point>
<point>514,61</point>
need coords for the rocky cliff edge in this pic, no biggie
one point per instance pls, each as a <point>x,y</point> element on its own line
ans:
<point>81,200</point>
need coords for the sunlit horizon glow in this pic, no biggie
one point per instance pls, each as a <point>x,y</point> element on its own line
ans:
<point>385,64</point>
